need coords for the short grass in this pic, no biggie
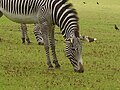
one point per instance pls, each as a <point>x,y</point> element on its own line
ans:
<point>23,67</point>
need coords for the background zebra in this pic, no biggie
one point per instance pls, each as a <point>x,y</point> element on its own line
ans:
<point>48,13</point>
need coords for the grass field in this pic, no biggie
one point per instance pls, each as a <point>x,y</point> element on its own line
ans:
<point>23,67</point>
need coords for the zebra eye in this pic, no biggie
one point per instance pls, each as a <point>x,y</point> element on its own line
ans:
<point>74,49</point>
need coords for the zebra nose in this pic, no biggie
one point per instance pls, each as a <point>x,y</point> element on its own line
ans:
<point>80,70</point>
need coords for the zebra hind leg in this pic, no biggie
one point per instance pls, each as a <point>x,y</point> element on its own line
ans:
<point>52,44</point>
<point>27,38</point>
<point>24,33</point>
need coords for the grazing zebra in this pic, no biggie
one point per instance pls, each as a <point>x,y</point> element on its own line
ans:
<point>47,14</point>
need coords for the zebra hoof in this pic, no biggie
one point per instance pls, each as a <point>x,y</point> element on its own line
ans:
<point>57,66</point>
<point>79,71</point>
<point>23,42</point>
<point>28,43</point>
<point>50,67</point>
<point>40,43</point>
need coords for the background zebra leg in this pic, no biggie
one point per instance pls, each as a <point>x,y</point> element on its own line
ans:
<point>52,44</point>
<point>24,33</point>
<point>45,30</point>
<point>38,35</point>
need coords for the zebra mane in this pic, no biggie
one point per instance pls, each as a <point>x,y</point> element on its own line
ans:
<point>73,10</point>
<point>59,17</point>
<point>70,5</point>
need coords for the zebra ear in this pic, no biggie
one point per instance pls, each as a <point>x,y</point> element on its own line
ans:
<point>71,39</point>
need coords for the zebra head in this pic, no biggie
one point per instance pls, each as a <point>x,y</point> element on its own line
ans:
<point>73,51</point>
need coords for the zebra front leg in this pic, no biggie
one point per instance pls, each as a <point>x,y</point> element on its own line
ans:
<point>45,30</point>
<point>24,33</point>
<point>52,44</point>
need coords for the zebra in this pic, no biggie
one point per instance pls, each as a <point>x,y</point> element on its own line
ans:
<point>47,14</point>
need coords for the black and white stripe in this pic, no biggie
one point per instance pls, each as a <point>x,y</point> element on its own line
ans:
<point>24,7</point>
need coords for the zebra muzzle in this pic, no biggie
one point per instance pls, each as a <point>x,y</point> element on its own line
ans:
<point>80,69</point>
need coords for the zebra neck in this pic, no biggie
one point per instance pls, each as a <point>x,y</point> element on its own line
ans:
<point>64,16</point>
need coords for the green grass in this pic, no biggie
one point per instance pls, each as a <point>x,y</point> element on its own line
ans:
<point>23,67</point>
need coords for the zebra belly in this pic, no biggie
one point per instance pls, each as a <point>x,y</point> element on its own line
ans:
<point>27,19</point>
